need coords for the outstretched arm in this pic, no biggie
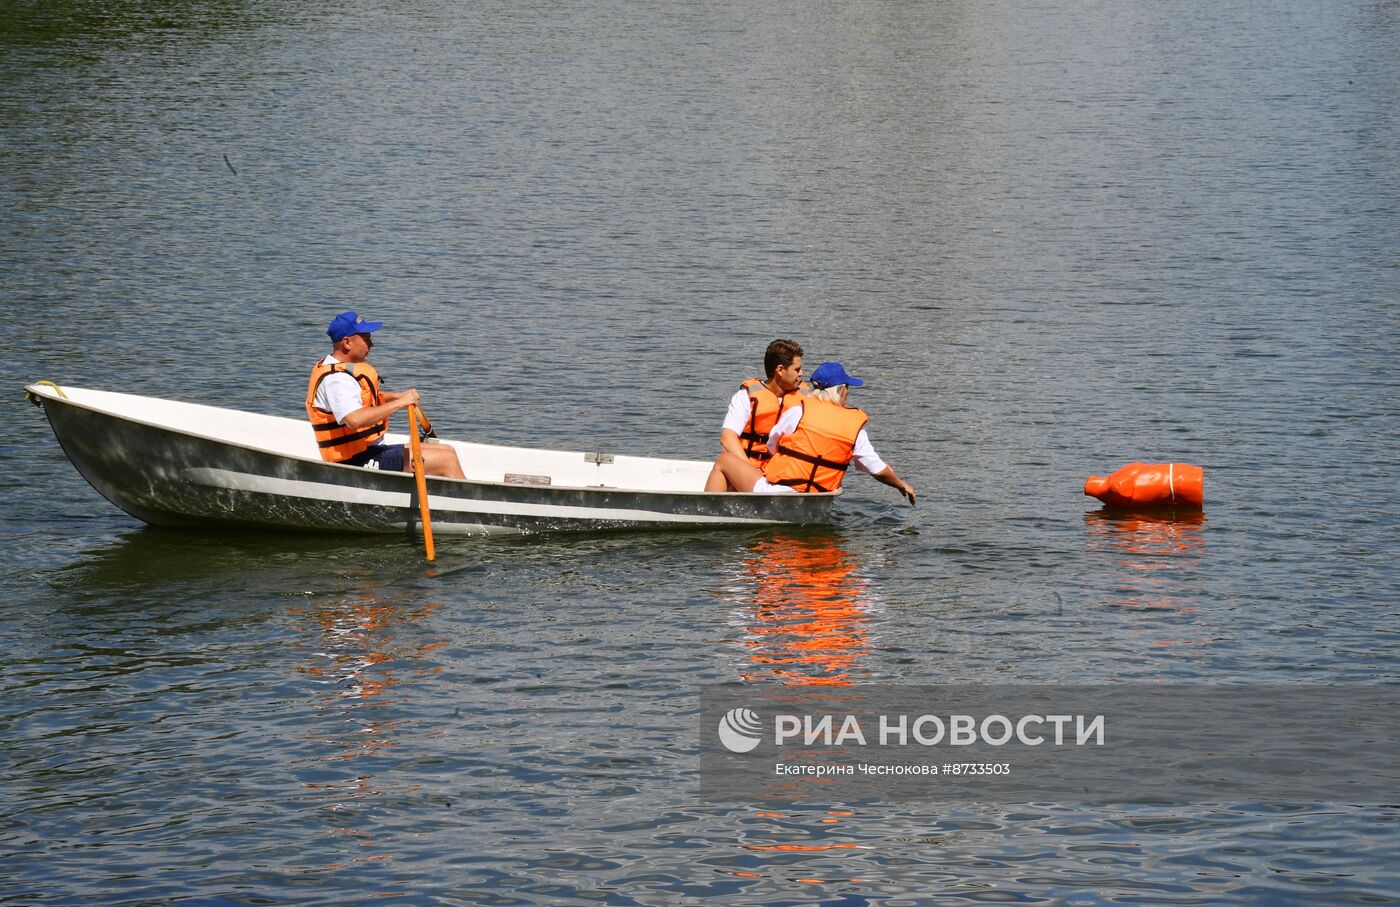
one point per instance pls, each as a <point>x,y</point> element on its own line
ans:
<point>869,461</point>
<point>888,477</point>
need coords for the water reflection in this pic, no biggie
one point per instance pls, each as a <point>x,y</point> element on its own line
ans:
<point>360,647</point>
<point>806,609</point>
<point>226,567</point>
<point>1146,549</point>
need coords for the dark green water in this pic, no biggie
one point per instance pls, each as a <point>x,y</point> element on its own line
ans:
<point>1054,238</point>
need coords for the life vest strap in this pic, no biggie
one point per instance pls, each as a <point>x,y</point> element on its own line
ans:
<point>376,428</point>
<point>795,482</point>
<point>813,459</point>
<point>330,425</point>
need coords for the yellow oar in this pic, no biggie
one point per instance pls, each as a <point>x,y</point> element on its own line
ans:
<point>426,427</point>
<point>416,450</point>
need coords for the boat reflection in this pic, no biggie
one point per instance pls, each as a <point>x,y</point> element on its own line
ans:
<point>806,610</point>
<point>215,567</point>
<point>1148,551</point>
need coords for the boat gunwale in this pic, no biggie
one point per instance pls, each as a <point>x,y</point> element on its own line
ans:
<point>54,394</point>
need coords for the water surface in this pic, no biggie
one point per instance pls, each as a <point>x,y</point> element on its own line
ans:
<point>1053,239</point>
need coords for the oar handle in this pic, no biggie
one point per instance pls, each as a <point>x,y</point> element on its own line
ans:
<point>420,478</point>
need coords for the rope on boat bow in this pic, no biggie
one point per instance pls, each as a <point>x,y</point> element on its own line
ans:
<point>37,400</point>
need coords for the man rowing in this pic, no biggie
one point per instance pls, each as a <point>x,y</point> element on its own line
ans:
<point>350,412</point>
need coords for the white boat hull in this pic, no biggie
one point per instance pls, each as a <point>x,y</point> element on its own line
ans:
<point>180,464</point>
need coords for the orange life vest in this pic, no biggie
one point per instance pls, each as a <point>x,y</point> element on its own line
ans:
<point>765,408</point>
<point>815,456</point>
<point>337,442</point>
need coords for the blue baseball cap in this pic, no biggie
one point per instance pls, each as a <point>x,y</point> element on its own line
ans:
<point>830,374</point>
<point>347,323</point>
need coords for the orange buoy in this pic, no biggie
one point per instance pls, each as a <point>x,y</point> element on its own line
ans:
<point>1149,485</point>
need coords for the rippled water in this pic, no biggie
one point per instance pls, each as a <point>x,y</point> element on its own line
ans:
<point>1054,238</point>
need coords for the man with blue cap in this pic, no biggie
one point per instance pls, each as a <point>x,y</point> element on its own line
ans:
<point>814,443</point>
<point>350,412</point>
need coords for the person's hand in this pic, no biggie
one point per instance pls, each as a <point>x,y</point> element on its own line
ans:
<point>908,491</point>
<point>409,397</point>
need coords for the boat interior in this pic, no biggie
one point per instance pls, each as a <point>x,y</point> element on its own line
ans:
<point>481,462</point>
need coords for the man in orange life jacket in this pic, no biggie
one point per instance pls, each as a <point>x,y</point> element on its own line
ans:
<point>756,406</point>
<point>814,444</point>
<point>350,413</point>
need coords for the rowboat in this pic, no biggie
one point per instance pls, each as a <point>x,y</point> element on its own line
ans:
<point>172,463</point>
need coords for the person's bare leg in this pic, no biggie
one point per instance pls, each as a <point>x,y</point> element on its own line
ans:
<point>739,473</point>
<point>716,480</point>
<point>440,460</point>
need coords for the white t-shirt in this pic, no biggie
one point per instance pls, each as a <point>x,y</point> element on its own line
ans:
<point>338,393</point>
<point>737,418</point>
<point>865,457</point>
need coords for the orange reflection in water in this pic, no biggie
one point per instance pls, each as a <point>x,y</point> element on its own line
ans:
<point>806,608</point>
<point>356,648</point>
<point>1147,547</point>
<point>798,826</point>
